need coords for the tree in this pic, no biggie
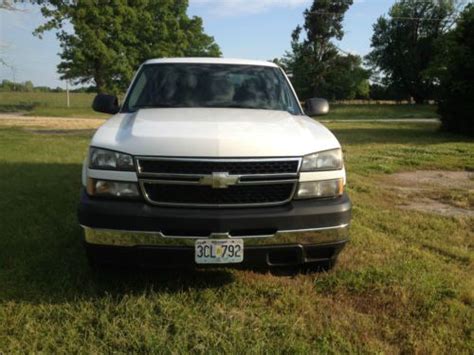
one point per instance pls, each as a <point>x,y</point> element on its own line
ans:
<point>315,62</point>
<point>404,44</point>
<point>346,79</point>
<point>456,74</point>
<point>111,40</point>
<point>380,91</point>
<point>28,86</point>
<point>280,62</point>
<point>199,44</point>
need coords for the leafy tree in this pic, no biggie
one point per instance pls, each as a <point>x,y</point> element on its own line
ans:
<point>28,86</point>
<point>346,79</point>
<point>199,44</point>
<point>316,64</point>
<point>7,85</point>
<point>110,40</point>
<point>380,91</point>
<point>456,74</point>
<point>404,44</point>
<point>280,62</point>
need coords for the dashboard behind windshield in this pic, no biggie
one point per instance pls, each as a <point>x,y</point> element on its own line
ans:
<point>211,85</point>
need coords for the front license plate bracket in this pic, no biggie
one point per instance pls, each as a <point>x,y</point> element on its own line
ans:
<point>219,251</point>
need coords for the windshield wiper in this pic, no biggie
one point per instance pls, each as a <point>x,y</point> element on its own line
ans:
<point>236,106</point>
<point>249,107</point>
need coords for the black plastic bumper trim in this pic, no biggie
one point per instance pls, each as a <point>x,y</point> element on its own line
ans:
<point>140,216</point>
<point>176,257</point>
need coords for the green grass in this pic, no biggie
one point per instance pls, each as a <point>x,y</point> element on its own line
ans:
<point>403,284</point>
<point>48,104</point>
<point>343,111</point>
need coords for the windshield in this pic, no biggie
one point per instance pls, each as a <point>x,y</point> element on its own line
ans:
<point>211,85</point>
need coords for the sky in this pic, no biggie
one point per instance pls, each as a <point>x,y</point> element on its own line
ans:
<point>250,29</point>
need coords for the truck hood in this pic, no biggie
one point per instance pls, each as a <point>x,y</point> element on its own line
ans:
<point>213,132</point>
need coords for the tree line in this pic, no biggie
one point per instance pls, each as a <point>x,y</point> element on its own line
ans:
<point>28,86</point>
<point>405,49</point>
<point>110,38</point>
<point>316,65</point>
<point>420,50</point>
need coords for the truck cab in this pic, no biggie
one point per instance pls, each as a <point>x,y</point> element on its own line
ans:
<point>212,161</point>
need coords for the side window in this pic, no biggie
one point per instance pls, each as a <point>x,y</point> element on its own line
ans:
<point>138,89</point>
<point>287,95</point>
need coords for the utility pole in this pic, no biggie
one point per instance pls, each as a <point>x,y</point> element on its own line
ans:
<point>67,92</point>
<point>14,77</point>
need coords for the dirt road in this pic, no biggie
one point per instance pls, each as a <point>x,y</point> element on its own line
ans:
<point>60,123</point>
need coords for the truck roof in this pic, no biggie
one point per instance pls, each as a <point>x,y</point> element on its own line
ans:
<point>209,60</point>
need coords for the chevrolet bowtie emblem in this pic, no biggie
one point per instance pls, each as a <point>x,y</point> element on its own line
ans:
<point>219,180</point>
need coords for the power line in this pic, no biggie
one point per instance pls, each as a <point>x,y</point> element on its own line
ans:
<point>417,18</point>
<point>408,18</point>
<point>391,17</point>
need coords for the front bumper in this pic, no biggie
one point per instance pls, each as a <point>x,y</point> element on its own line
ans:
<point>141,238</point>
<point>320,255</point>
<point>296,230</point>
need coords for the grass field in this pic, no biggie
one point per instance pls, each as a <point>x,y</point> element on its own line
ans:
<point>357,112</point>
<point>403,284</point>
<point>48,104</point>
<point>54,104</point>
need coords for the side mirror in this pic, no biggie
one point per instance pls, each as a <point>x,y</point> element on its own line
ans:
<point>316,107</point>
<point>106,104</point>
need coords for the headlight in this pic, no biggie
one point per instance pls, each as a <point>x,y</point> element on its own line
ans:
<point>315,189</point>
<point>327,160</point>
<point>110,160</point>
<point>106,188</point>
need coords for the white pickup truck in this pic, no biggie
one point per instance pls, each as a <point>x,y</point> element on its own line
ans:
<point>213,161</point>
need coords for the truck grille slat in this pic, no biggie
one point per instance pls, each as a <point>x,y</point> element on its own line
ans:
<point>208,167</point>
<point>234,195</point>
<point>186,182</point>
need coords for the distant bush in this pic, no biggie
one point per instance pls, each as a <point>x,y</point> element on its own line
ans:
<point>457,105</point>
<point>382,92</point>
<point>27,86</point>
<point>88,89</point>
<point>7,85</point>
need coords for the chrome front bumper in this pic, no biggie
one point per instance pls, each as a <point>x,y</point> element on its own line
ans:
<point>315,236</point>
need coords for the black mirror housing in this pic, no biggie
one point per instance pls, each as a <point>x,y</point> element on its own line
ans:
<point>106,104</point>
<point>316,107</point>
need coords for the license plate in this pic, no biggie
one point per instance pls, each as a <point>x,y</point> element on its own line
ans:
<point>219,251</point>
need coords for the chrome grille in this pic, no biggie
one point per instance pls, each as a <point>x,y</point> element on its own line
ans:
<point>217,182</point>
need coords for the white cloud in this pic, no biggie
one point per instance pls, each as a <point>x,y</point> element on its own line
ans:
<point>246,7</point>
